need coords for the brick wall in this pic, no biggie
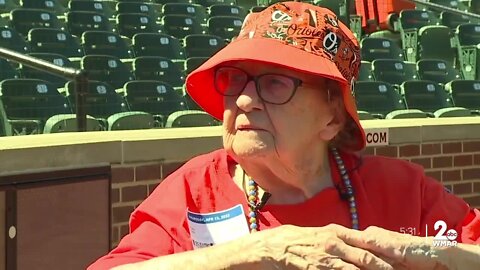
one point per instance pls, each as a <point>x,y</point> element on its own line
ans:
<point>456,164</point>
<point>131,184</point>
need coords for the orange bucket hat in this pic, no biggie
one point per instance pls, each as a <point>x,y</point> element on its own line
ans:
<point>297,36</point>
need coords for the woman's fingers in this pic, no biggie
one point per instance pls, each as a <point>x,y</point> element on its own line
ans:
<point>377,240</point>
<point>297,259</point>
<point>336,255</point>
<point>357,256</point>
<point>403,249</point>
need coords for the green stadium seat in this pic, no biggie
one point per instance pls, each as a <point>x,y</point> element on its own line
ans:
<point>377,98</point>
<point>468,34</point>
<point>416,19</point>
<point>246,4</point>
<point>226,27</point>
<point>193,63</point>
<point>5,127</point>
<point>427,96</point>
<point>437,70</point>
<point>4,22</point>
<point>24,19</point>
<point>393,71</point>
<point>227,10</point>
<point>257,8</point>
<point>57,59</point>
<point>451,4</point>
<point>64,2</point>
<point>190,119</point>
<point>163,2</point>
<point>270,2</point>
<point>180,26</point>
<point>365,73</point>
<point>156,44</point>
<point>111,5</point>
<point>144,8</point>
<point>452,112</point>
<point>395,37</point>
<point>129,24</point>
<point>465,93</point>
<point>190,103</point>
<point>475,6</point>
<point>29,103</point>
<point>106,43</point>
<point>158,68</point>
<point>11,39</point>
<point>53,6</point>
<point>193,10</point>
<point>452,20</point>
<point>101,100</point>
<point>8,5</point>
<point>107,69</point>
<point>404,114</point>
<point>208,3</point>
<point>68,123</point>
<point>7,71</point>
<point>155,97</point>
<point>363,115</point>
<point>130,121</point>
<point>435,43</point>
<point>45,40</point>
<point>92,6</point>
<point>109,107</point>
<point>337,6</point>
<point>203,45</point>
<point>380,48</point>
<point>81,21</point>
<point>409,23</point>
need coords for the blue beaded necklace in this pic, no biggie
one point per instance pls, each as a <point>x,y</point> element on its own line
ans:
<point>253,201</point>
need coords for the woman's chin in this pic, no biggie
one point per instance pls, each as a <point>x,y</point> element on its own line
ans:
<point>251,148</point>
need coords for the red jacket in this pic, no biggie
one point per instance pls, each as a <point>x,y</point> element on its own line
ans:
<point>390,193</point>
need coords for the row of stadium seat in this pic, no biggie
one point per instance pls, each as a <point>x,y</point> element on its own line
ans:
<point>107,7</point>
<point>57,41</point>
<point>28,104</point>
<point>110,69</point>
<point>396,71</point>
<point>417,34</point>
<point>77,22</point>
<point>434,42</point>
<point>427,98</point>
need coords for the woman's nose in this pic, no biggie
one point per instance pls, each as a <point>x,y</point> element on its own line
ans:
<point>249,100</point>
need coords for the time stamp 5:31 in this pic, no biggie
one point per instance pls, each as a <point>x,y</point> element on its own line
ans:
<point>444,237</point>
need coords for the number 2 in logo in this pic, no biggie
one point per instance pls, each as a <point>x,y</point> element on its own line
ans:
<point>444,237</point>
<point>441,227</point>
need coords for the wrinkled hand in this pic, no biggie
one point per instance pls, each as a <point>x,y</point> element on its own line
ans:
<point>402,251</point>
<point>290,247</point>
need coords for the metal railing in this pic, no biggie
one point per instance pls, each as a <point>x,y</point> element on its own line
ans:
<point>445,8</point>
<point>79,76</point>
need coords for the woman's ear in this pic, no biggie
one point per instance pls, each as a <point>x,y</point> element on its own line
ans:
<point>337,109</point>
<point>335,125</point>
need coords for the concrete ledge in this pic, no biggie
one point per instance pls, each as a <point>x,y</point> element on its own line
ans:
<point>26,153</point>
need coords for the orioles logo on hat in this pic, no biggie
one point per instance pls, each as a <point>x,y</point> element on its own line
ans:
<point>314,31</point>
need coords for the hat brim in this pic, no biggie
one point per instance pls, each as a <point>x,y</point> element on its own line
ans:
<point>200,83</point>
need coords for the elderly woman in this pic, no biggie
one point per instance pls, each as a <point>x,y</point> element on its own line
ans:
<point>288,191</point>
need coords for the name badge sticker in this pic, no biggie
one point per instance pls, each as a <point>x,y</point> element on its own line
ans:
<point>208,229</point>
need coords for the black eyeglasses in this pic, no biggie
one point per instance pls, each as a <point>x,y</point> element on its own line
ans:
<point>271,88</point>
